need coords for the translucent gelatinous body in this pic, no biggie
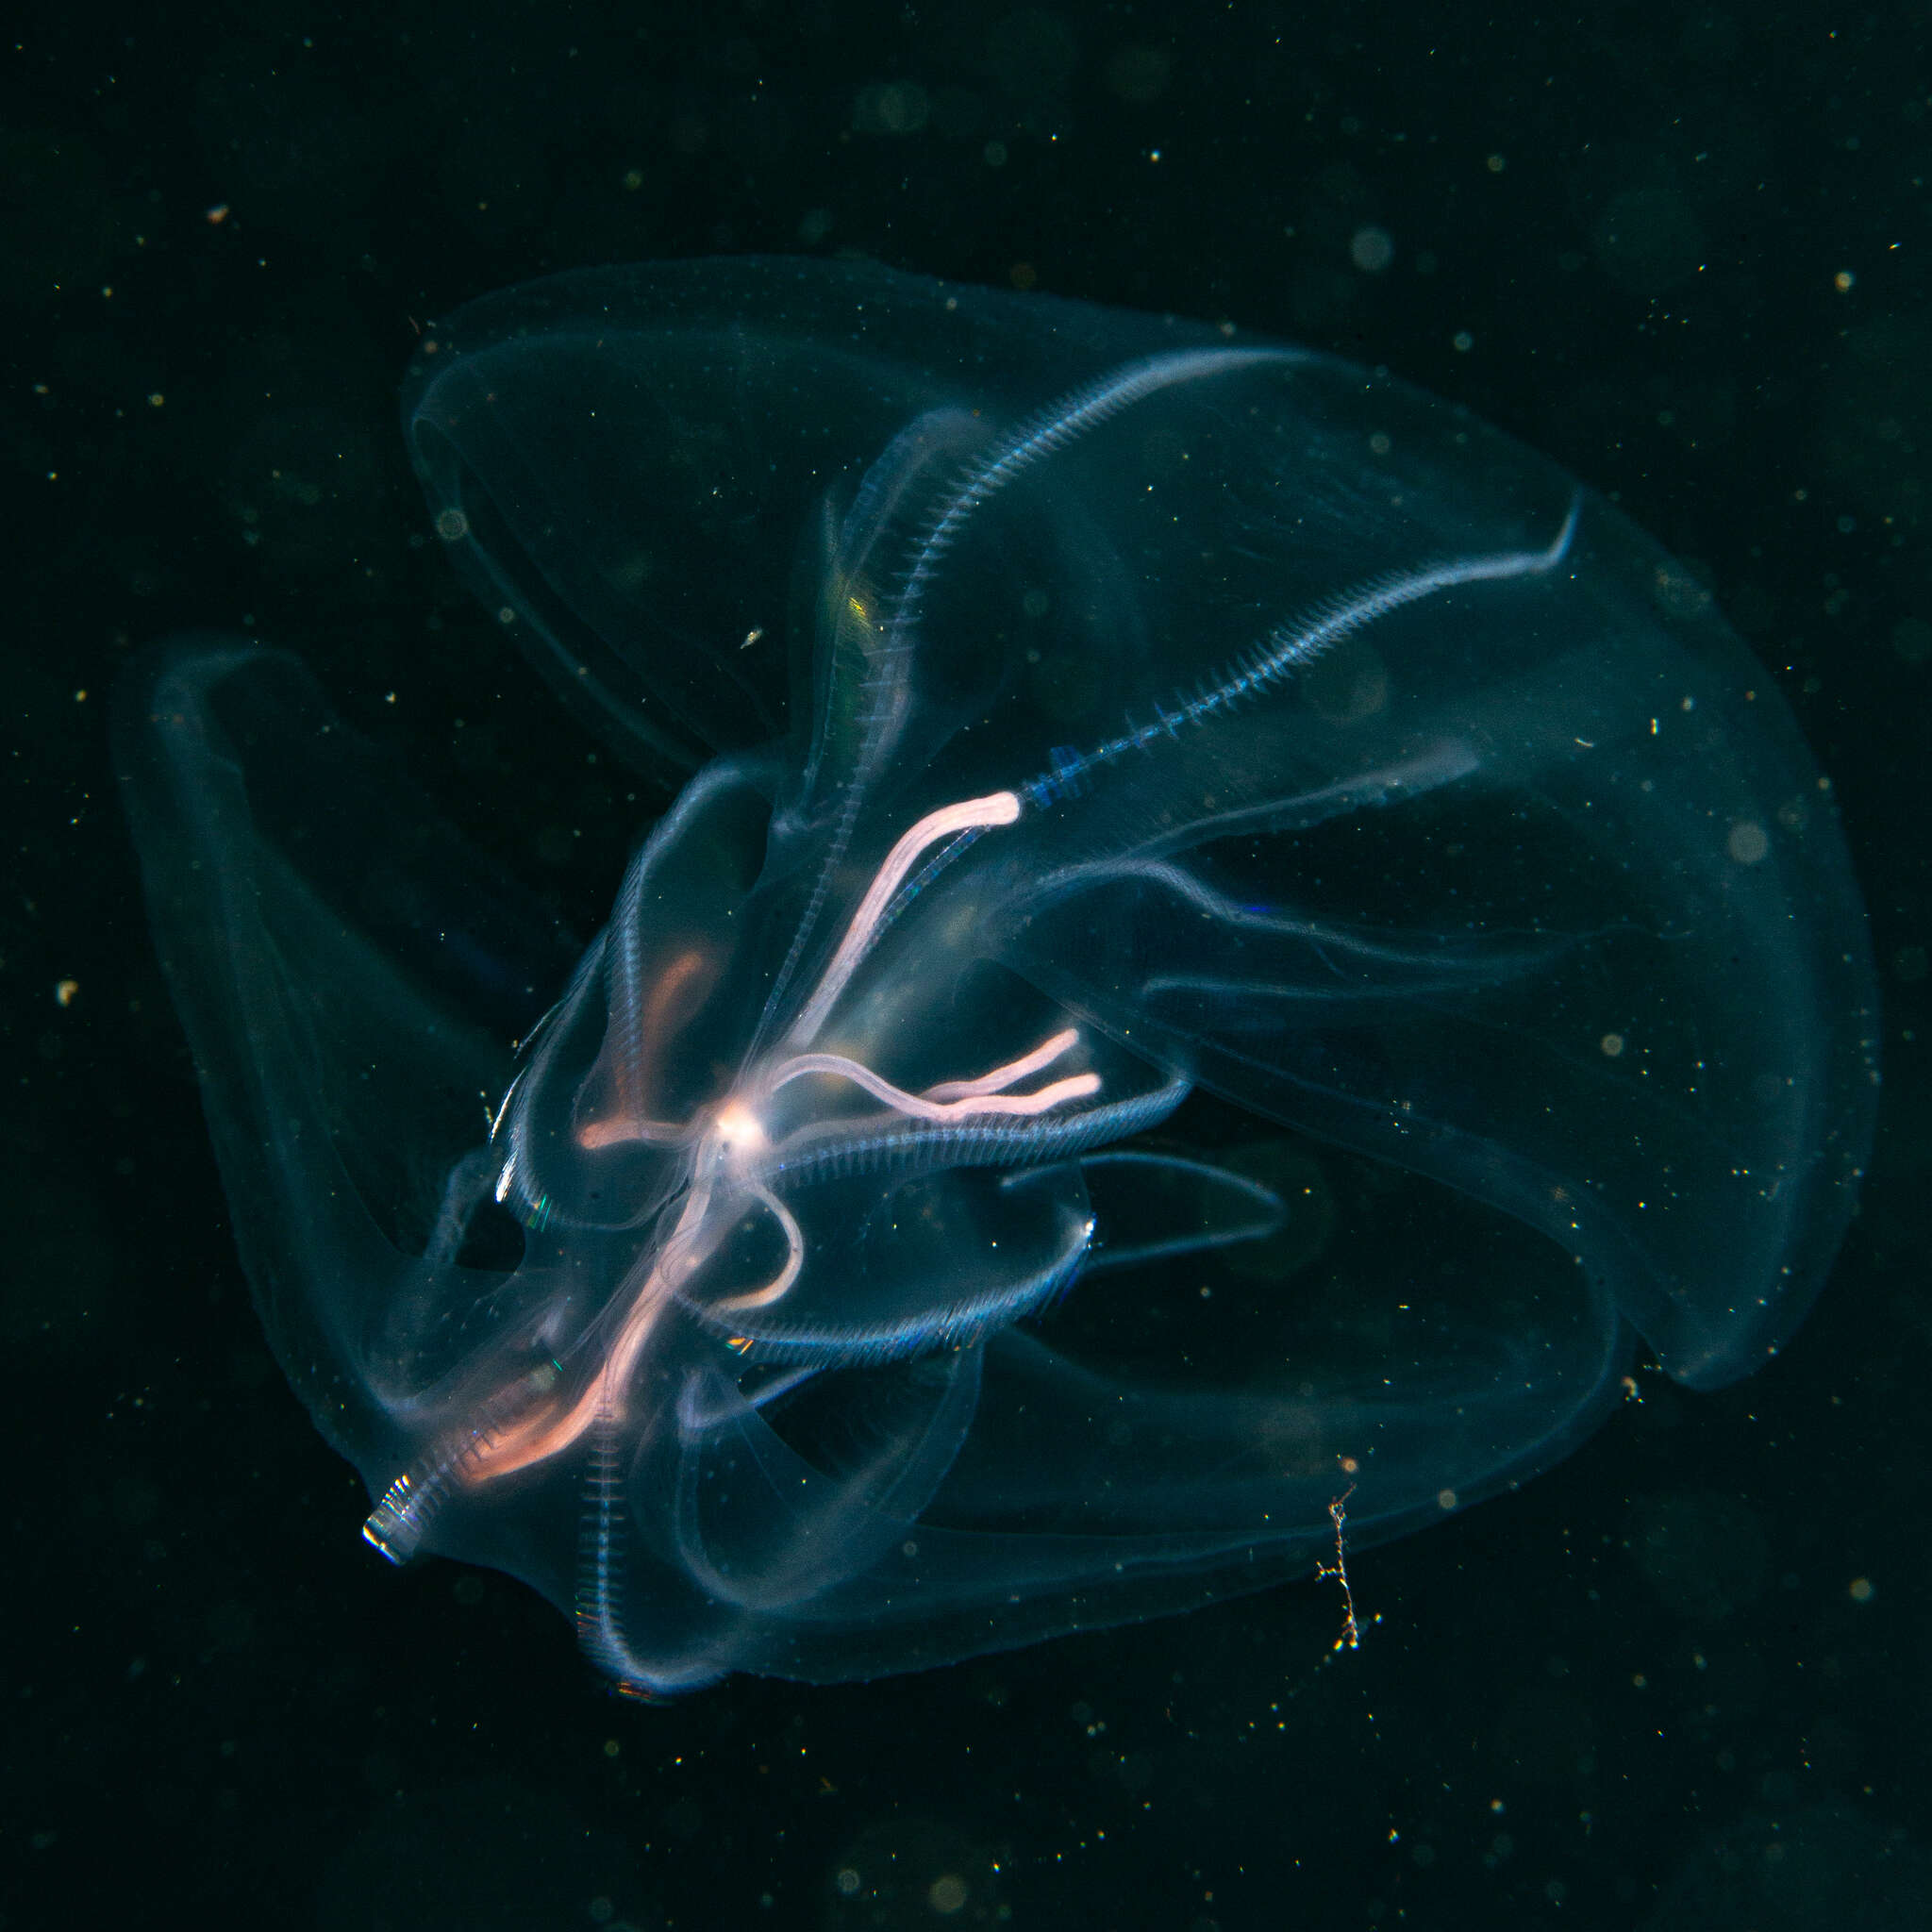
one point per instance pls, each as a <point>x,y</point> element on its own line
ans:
<point>1153,794</point>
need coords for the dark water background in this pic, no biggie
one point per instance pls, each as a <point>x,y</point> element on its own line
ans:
<point>1679,1681</point>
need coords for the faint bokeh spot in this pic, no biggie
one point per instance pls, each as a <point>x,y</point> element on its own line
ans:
<point>1648,239</point>
<point>1703,1553</point>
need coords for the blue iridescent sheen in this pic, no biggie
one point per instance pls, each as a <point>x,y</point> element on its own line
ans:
<point>1122,765</point>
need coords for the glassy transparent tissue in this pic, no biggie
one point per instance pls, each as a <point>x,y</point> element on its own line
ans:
<point>1230,936</point>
